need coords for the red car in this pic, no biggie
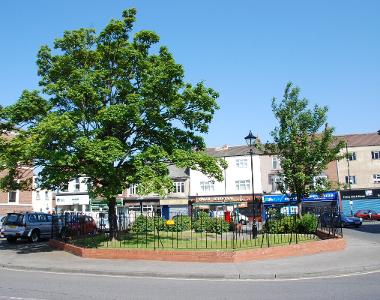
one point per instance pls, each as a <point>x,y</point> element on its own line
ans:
<point>79,225</point>
<point>367,214</point>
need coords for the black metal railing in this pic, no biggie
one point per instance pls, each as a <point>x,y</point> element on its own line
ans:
<point>199,231</point>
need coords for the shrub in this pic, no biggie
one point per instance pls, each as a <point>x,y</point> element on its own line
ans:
<point>148,224</point>
<point>181,223</point>
<point>217,225</point>
<point>308,224</point>
<point>201,223</point>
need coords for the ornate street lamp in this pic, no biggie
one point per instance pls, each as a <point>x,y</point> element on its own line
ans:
<point>251,142</point>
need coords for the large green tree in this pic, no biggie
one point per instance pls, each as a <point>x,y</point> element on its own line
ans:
<point>303,141</point>
<point>112,109</point>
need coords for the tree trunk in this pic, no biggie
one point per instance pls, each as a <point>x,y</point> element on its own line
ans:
<point>299,202</point>
<point>112,218</point>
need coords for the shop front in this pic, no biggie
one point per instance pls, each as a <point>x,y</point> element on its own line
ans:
<point>226,205</point>
<point>355,200</point>
<point>171,207</point>
<point>72,202</point>
<point>288,205</point>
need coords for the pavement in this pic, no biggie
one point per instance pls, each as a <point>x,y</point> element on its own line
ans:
<point>362,255</point>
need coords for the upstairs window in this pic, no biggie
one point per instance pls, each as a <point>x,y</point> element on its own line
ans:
<point>77,185</point>
<point>207,186</point>
<point>46,196</point>
<point>351,156</point>
<point>350,179</point>
<point>275,183</point>
<point>132,189</point>
<point>243,185</point>
<point>275,163</point>
<point>12,196</point>
<point>242,163</point>
<point>376,178</point>
<point>179,187</point>
<point>38,195</point>
<point>375,154</point>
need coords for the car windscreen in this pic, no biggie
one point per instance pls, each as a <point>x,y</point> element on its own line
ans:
<point>14,219</point>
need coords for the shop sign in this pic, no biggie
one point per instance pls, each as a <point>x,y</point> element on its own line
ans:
<point>361,194</point>
<point>222,199</point>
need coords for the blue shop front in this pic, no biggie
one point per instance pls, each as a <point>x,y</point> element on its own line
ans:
<point>288,204</point>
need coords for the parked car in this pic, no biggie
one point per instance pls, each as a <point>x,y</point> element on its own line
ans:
<point>29,225</point>
<point>347,221</point>
<point>367,214</point>
<point>2,218</point>
<point>76,225</point>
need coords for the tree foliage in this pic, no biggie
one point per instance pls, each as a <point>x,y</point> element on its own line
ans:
<point>303,141</point>
<point>112,109</point>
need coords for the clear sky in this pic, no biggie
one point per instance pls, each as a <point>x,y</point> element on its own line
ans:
<point>245,50</point>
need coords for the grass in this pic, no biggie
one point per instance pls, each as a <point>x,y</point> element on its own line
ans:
<point>190,240</point>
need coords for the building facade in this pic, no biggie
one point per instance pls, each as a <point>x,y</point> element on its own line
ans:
<point>73,197</point>
<point>236,189</point>
<point>18,200</point>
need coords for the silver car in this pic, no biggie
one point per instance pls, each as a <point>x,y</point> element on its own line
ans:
<point>30,225</point>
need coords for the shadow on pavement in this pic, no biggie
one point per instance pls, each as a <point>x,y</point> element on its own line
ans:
<point>369,227</point>
<point>25,247</point>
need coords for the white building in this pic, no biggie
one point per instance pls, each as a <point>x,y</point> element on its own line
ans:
<point>74,196</point>
<point>43,201</point>
<point>235,191</point>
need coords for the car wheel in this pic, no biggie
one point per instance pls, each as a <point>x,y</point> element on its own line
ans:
<point>11,240</point>
<point>34,236</point>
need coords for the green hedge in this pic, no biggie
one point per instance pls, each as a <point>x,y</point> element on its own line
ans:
<point>289,224</point>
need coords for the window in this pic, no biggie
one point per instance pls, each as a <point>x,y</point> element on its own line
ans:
<point>207,186</point>
<point>64,187</point>
<point>179,187</point>
<point>351,156</point>
<point>275,182</point>
<point>376,178</point>
<point>77,185</point>
<point>352,179</point>
<point>243,185</point>
<point>12,196</point>
<point>375,154</point>
<point>320,181</point>
<point>275,163</point>
<point>242,163</point>
<point>132,189</point>
<point>38,195</point>
<point>46,196</point>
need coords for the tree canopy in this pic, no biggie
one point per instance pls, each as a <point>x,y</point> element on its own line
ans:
<point>303,141</point>
<point>110,108</point>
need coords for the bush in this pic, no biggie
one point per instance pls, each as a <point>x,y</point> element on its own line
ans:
<point>201,223</point>
<point>148,224</point>
<point>217,225</point>
<point>181,223</point>
<point>289,224</point>
<point>308,224</point>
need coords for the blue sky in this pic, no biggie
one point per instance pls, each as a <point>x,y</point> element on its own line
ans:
<point>245,50</point>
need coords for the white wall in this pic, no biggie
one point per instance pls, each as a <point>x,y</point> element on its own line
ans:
<point>44,202</point>
<point>231,174</point>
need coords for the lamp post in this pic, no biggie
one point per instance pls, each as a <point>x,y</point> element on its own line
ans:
<point>251,141</point>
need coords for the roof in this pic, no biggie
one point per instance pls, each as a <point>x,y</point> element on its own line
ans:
<point>361,139</point>
<point>227,151</point>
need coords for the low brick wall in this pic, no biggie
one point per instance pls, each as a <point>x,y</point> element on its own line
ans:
<point>218,256</point>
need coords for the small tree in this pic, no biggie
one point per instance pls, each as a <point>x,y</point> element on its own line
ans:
<point>113,111</point>
<point>303,141</point>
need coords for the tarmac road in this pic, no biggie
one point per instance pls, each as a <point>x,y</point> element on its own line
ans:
<point>41,285</point>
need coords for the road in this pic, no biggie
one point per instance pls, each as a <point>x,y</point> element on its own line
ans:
<point>23,284</point>
<point>39,285</point>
